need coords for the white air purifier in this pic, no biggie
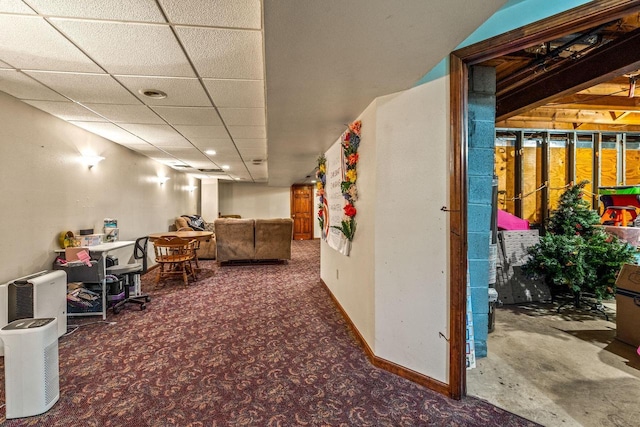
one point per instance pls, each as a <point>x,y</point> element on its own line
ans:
<point>42,295</point>
<point>31,371</point>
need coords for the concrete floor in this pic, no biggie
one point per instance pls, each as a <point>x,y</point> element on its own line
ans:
<point>563,369</point>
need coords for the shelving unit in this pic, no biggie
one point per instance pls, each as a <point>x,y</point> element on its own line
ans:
<point>94,275</point>
<point>93,278</point>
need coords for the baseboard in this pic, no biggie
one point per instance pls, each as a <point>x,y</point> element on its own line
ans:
<point>387,365</point>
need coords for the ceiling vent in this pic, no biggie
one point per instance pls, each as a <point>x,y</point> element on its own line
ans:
<point>257,162</point>
<point>153,93</point>
<point>212,171</point>
<point>181,166</point>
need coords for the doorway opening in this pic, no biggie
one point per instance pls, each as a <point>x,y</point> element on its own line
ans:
<point>573,21</point>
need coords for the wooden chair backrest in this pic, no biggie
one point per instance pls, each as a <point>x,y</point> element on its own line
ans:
<point>174,249</point>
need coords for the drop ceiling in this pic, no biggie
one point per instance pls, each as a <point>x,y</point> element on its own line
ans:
<point>268,85</point>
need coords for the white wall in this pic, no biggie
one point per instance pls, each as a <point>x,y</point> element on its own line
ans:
<point>209,199</point>
<point>394,285</point>
<point>352,279</point>
<point>254,200</point>
<point>412,239</point>
<point>45,190</point>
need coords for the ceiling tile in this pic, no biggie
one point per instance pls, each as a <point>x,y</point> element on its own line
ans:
<point>180,91</point>
<point>200,116</point>
<point>140,10</point>
<point>158,135</point>
<point>250,143</point>
<point>91,88</point>
<point>236,167</point>
<point>162,157</point>
<point>205,164</point>
<point>140,49</point>
<point>220,145</point>
<point>146,147</point>
<point>5,65</point>
<point>250,154</point>
<point>66,110</point>
<point>14,6</point>
<point>260,169</point>
<point>51,52</point>
<point>147,150</point>
<point>248,132</point>
<point>243,116</point>
<point>112,133</point>
<point>126,113</point>
<point>221,53</point>
<point>22,86</point>
<point>224,155</point>
<point>203,131</point>
<point>220,13</point>
<point>236,93</point>
<point>186,154</point>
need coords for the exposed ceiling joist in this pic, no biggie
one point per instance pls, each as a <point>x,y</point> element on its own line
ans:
<point>578,116</point>
<point>584,101</point>
<point>617,57</point>
<point>520,123</point>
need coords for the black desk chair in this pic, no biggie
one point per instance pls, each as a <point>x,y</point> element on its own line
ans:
<point>130,273</point>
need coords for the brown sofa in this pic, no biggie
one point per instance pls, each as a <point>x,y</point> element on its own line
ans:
<point>253,239</point>
<point>207,249</point>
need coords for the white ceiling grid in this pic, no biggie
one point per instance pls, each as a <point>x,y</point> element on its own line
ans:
<point>327,60</point>
<point>87,62</point>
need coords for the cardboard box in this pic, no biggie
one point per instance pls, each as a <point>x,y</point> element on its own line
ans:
<point>90,239</point>
<point>628,305</point>
<point>71,254</point>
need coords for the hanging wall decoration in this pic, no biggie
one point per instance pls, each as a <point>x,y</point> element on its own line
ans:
<point>337,192</point>
<point>350,143</point>
<point>323,211</point>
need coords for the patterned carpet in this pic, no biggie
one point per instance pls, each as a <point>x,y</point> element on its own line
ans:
<point>246,345</point>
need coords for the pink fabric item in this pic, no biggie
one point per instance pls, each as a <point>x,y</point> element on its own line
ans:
<point>506,221</point>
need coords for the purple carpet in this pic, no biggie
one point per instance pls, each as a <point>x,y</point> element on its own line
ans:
<point>245,345</point>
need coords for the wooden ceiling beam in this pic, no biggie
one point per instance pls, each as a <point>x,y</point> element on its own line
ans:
<point>516,123</point>
<point>597,102</point>
<point>615,58</point>
<point>578,116</point>
<point>578,19</point>
<point>617,117</point>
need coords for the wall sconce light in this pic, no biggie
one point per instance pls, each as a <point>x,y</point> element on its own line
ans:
<point>91,160</point>
<point>163,179</point>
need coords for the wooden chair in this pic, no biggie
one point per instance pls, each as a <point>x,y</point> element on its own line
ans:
<point>197,245</point>
<point>174,256</point>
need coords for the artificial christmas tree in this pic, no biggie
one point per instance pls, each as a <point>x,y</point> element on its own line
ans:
<point>576,256</point>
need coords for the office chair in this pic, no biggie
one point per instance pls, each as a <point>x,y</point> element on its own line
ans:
<point>130,273</point>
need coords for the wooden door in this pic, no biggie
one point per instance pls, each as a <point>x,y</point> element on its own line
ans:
<point>302,212</point>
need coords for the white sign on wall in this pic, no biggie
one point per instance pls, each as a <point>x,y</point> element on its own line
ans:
<point>335,200</point>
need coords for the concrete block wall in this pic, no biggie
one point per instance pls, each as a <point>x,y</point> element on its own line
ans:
<point>482,87</point>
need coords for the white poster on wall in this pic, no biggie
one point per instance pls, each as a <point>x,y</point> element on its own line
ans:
<point>335,200</point>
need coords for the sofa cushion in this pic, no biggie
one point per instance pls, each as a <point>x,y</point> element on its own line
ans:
<point>273,238</point>
<point>195,221</point>
<point>207,248</point>
<point>234,239</point>
<point>181,222</point>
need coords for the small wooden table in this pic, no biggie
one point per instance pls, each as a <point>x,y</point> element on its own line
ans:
<point>198,235</point>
